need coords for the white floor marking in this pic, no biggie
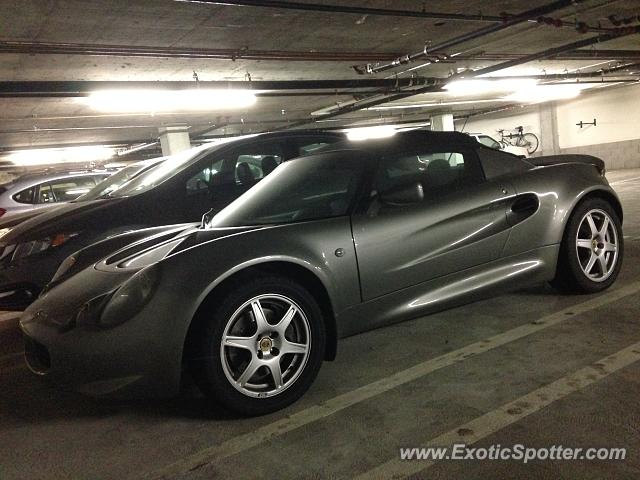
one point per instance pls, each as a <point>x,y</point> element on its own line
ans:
<point>319,411</point>
<point>507,414</point>
<point>624,181</point>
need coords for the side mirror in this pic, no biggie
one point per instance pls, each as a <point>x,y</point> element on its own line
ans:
<point>403,194</point>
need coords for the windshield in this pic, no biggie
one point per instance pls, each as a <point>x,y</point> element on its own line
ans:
<point>115,181</point>
<point>307,188</point>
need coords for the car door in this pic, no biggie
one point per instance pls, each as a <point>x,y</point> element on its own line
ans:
<point>460,222</point>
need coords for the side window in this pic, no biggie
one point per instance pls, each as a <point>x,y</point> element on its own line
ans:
<point>26,196</point>
<point>487,141</point>
<point>254,162</point>
<point>438,171</point>
<point>66,189</point>
<point>235,170</point>
<point>45,194</point>
<point>496,163</point>
<point>201,181</point>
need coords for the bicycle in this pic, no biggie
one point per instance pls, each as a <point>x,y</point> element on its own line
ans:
<point>519,139</point>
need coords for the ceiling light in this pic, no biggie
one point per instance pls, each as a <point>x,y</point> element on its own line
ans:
<point>369,133</point>
<point>546,93</point>
<point>46,156</point>
<point>482,86</point>
<point>168,100</point>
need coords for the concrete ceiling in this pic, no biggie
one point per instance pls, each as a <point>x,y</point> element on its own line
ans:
<point>93,40</point>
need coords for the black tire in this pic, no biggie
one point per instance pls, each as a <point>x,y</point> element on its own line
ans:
<point>206,363</point>
<point>570,275</point>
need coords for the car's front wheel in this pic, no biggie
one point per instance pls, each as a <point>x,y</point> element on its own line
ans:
<point>262,347</point>
<point>592,249</point>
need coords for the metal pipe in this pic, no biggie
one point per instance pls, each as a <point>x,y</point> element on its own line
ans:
<point>429,50</point>
<point>55,48</point>
<point>83,88</point>
<point>617,33</point>
<point>319,7</point>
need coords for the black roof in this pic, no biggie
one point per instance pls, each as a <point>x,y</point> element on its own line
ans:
<point>404,141</point>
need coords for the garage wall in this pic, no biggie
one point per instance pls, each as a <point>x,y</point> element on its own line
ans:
<point>489,125</point>
<point>616,138</point>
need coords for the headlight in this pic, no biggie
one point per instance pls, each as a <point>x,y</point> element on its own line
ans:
<point>129,299</point>
<point>32,247</point>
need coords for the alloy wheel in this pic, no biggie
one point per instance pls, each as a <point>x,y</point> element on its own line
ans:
<point>265,345</point>
<point>597,245</point>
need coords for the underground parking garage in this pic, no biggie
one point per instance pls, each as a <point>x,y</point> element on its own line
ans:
<point>319,239</point>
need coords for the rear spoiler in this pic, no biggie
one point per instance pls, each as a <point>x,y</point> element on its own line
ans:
<point>569,158</point>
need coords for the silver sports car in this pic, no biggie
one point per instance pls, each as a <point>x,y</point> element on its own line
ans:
<point>360,235</point>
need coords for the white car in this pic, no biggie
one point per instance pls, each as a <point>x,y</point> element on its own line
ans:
<point>492,143</point>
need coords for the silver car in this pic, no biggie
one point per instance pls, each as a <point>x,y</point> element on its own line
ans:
<point>38,191</point>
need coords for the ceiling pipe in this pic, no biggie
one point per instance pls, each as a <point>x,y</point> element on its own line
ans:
<point>275,88</point>
<point>319,7</point>
<point>55,48</point>
<point>429,50</point>
<point>380,99</point>
<point>83,88</point>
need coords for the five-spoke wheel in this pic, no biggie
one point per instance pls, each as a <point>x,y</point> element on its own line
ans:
<point>591,252</point>
<point>265,345</point>
<point>597,245</point>
<point>260,346</point>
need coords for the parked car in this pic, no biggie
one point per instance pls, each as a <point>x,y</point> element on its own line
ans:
<point>490,142</point>
<point>106,186</point>
<point>180,189</point>
<point>39,191</point>
<point>361,235</point>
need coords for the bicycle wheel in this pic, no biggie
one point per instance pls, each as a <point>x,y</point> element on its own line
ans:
<point>530,142</point>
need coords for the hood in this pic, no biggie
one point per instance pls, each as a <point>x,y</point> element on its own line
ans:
<point>69,217</point>
<point>168,241</point>
<point>16,218</point>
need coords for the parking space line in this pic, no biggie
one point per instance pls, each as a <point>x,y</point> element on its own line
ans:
<point>491,422</point>
<point>624,181</point>
<point>322,410</point>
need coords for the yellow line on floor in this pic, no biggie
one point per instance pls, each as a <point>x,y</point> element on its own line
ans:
<point>491,422</point>
<point>324,409</point>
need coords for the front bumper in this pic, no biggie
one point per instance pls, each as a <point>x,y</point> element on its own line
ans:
<point>119,363</point>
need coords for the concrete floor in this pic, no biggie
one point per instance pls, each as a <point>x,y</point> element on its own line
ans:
<point>468,363</point>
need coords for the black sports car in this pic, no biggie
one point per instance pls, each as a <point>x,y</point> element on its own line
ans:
<point>179,189</point>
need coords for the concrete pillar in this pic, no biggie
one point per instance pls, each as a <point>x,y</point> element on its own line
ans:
<point>174,139</point>
<point>549,144</point>
<point>442,123</point>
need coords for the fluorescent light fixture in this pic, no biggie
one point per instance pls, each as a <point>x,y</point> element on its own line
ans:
<point>369,133</point>
<point>483,86</point>
<point>168,100</point>
<point>47,156</point>
<point>546,93</point>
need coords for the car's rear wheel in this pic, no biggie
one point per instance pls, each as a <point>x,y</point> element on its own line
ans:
<point>262,347</point>
<point>592,249</point>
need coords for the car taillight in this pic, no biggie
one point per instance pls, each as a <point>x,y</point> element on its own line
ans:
<point>2,211</point>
